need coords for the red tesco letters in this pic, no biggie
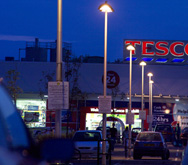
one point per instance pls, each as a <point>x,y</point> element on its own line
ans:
<point>160,48</point>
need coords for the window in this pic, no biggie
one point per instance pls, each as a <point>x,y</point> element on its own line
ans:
<point>149,137</point>
<point>87,136</point>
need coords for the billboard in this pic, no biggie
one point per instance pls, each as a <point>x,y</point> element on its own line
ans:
<point>157,51</point>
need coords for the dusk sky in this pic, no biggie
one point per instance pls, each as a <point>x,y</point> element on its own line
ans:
<point>83,24</point>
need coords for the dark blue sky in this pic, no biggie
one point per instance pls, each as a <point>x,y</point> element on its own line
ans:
<point>83,24</point>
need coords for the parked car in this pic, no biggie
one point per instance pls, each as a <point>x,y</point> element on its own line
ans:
<point>184,136</point>
<point>107,131</point>
<point>87,142</point>
<point>16,144</point>
<point>150,143</point>
<point>185,156</point>
<point>166,130</point>
<point>135,132</point>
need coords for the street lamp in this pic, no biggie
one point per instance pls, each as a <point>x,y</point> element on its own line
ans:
<point>105,8</point>
<point>130,47</point>
<point>58,64</point>
<point>150,101</point>
<point>142,63</point>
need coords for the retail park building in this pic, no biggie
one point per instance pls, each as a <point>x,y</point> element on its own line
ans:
<point>170,88</point>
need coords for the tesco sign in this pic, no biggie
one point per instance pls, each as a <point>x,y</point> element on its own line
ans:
<point>158,48</point>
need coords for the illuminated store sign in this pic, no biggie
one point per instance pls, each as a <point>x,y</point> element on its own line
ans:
<point>158,51</point>
<point>116,110</point>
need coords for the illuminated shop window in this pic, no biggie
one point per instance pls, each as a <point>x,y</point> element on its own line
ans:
<point>147,59</point>
<point>33,112</point>
<point>178,60</point>
<point>128,58</point>
<point>161,60</point>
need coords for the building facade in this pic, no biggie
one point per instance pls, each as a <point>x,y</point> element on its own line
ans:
<point>170,94</point>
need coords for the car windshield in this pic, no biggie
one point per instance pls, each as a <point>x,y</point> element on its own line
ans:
<point>163,128</point>
<point>87,136</point>
<point>136,130</point>
<point>149,137</point>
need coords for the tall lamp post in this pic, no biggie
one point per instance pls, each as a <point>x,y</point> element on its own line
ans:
<point>142,63</point>
<point>130,48</point>
<point>105,8</point>
<point>150,101</point>
<point>58,64</point>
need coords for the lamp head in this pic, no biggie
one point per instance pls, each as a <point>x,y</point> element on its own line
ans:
<point>130,47</point>
<point>142,63</point>
<point>106,8</point>
<point>151,82</point>
<point>150,74</point>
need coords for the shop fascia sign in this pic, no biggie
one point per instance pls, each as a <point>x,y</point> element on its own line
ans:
<point>158,47</point>
<point>116,110</point>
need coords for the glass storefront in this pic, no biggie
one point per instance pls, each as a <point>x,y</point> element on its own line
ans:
<point>33,112</point>
<point>93,120</point>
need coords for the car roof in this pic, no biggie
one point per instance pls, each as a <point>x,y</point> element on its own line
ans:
<point>89,131</point>
<point>163,125</point>
<point>149,132</point>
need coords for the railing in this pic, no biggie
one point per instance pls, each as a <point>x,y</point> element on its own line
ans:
<point>108,153</point>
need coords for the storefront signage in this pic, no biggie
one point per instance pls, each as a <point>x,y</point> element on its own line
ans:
<point>112,79</point>
<point>180,114</point>
<point>157,51</point>
<point>58,95</point>
<point>32,108</point>
<point>116,110</point>
<point>105,104</point>
<point>162,119</point>
<point>159,48</point>
<point>159,108</point>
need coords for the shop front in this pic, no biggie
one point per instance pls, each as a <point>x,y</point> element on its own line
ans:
<point>33,112</point>
<point>163,113</point>
<point>90,118</point>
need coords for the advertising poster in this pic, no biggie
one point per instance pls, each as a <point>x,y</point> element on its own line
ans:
<point>31,117</point>
<point>162,113</point>
<point>170,113</point>
<point>180,114</point>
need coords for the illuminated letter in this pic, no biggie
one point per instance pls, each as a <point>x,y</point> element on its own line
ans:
<point>145,48</point>
<point>159,47</point>
<point>186,49</point>
<point>173,47</point>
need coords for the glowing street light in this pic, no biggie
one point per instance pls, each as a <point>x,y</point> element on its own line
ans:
<point>150,100</point>
<point>142,63</point>
<point>105,8</point>
<point>130,47</point>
